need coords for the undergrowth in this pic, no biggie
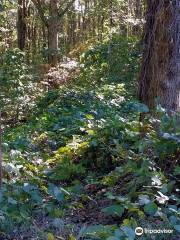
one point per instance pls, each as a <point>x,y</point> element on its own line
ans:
<point>84,146</point>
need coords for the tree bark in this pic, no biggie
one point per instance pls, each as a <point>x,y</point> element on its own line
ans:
<point>53,33</point>
<point>21,24</point>
<point>52,25</point>
<point>160,72</point>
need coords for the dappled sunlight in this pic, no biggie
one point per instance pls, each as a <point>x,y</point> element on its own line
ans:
<point>81,158</point>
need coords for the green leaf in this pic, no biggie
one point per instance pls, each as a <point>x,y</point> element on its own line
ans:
<point>71,237</point>
<point>114,210</point>
<point>91,230</point>
<point>12,201</point>
<point>56,192</point>
<point>177,228</point>
<point>28,187</point>
<point>139,107</point>
<point>50,236</point>
<point>176,171</point>
<point>151,208</point>
<point>118,233</point>
<point>112,238</point>
<point>144,199</point>
<point>129,232</point>
<point>173,220</point>
<point>57,222</point>
<point>173,208</point>
<point>89,116</point>
<point>35,195</point>
<point>1,197</point>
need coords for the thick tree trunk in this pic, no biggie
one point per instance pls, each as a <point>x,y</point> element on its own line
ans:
<point>53,33</point>
<point>160,72</point>
<point>21,24</point>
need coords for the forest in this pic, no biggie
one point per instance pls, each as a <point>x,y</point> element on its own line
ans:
<point>89,119</point>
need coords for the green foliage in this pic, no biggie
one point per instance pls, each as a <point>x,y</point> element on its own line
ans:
<point>86,137</point>
<point>151,208</point>
<point>16,84</point>
<point>114,210</point>
<point>67,171</point>
<point>114,61</point>
<point>168,144</point>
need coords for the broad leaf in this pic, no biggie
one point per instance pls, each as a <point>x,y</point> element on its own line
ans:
<point>129,232</point>
<point>177,228</point>
<point>114,210</point>
<point>151,208</point>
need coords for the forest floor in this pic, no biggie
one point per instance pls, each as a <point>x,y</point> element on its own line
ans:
<point>79,168</point>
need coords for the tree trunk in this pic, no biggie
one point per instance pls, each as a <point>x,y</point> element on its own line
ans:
<point>53,33</point>
<point>160,72</point>
<point>138,15</point>
<point>21,24</point>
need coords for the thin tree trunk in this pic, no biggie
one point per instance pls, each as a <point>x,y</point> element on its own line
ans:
<point>138,16</point>
<point>53,33</point>
<point>21,24</point>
